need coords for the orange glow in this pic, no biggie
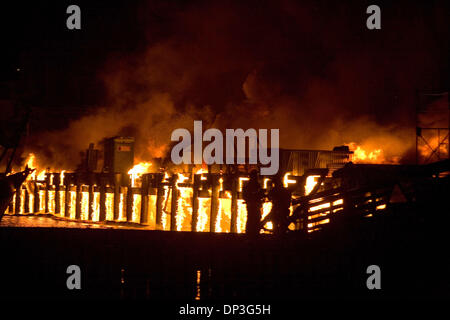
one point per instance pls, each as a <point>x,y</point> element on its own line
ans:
<point>62,178</point>
<point>84,205</point>
<point>30,163</point>
<point>138,170</point>
<point>439,148</point>
<point>310,183</point>
<point>287,181</point>
<point>109,206</point>
<point>184,207</point>
<point>51,201</point>
<point>136,213</point>
<point>62,201</point>
<point>366,154</point>
<point>241,182</point>
<point>96,207</point>
<point>41,175</point>
<point>72,204</point>
<point>241,216</point>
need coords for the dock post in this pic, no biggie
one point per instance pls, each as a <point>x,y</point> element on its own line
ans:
<point>195,203</point>
<point>144,199</point>
<point>102,187</point>
<point>174,206</point>
<point>78,198</point>
<point>214,202</point>
<point>117,185</point>
<point>159,200</point>
<point>234,199</point>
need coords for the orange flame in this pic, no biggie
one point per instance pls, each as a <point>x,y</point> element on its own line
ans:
<point>366,155</point>
<point>138,170</point>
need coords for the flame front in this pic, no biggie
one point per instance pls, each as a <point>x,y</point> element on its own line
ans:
<point>137,171</point>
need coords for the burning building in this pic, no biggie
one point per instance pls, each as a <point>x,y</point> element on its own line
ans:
<point>201,199</point>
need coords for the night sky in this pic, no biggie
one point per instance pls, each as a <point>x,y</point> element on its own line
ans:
<point>144,68</point>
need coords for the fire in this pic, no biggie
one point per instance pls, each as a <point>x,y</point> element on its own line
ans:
<point>96,207</point>
<point>287,181</point>
<point>62,201</point>
<point>310,183</point>
<point>31,202</point>
<point>183,203</point>
<point>241,216</point>
<point>136,214</point>
<point>224,215</point>
<point>51,201</point>
<point>62,178</point>
<point>202,219</point>
<point>366,155</point>
<point>72,204</point>
<point>84,205</point>
<point>109,206</point>
<point>435,148</point>
<point>138,170</point>
<point>30,164</point>
<point>241,182</point>
<point>165,210</point>
<point>41,201</point>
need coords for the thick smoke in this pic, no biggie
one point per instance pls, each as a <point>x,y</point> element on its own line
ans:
<point>312,70</point>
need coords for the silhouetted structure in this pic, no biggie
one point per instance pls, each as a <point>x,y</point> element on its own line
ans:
<point>9,185</point>
<point>281,201</point>
<point>253,196</point>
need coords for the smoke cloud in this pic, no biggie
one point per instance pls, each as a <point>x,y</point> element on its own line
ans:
<point>312,70</point>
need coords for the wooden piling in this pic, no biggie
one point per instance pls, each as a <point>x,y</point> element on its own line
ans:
<point>130,203</point>
<point>102,189</point>
<point>234,199</point>
<point>159,200</point>
<point>195,204</point>
<point>46,188</point>
<point>17,203</point>
<point>57,182</point>
<point>78,199</point>
<point>174,206</point>
<point>144,199</point>
<point>117,185</point>
<point>215,186</point>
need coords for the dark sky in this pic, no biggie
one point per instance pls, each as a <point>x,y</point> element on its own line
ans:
<point>237,63</point>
